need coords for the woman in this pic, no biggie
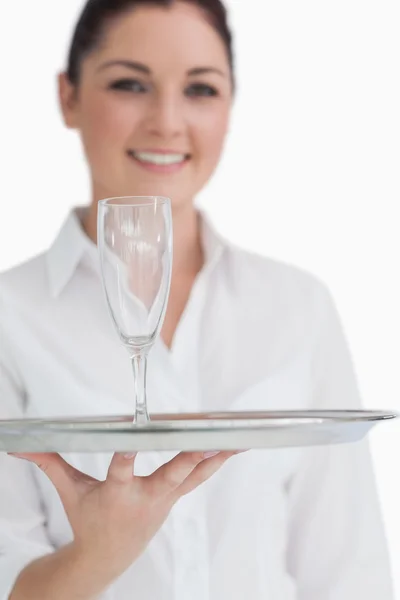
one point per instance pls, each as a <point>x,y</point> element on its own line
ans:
<point>149,87</point>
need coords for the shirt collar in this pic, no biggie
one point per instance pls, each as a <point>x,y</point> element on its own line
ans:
<point>213,243</point>
<point>72,246</point>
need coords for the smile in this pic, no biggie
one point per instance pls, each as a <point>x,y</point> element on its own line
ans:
<point>161,162</point>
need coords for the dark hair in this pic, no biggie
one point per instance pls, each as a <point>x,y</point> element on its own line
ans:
<point>98,13</point>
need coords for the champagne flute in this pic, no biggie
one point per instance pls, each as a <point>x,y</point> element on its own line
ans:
<point>135,245</point>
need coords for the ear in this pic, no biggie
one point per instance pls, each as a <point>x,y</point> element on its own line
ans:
<point>68,98</point>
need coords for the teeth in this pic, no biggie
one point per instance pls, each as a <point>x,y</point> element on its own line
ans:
<point>159,159</point>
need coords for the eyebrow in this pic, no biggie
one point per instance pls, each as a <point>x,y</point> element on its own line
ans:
<point>137,66</point>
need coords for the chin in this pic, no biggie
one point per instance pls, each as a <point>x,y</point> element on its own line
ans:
<point>181,196</point>
<point>178,198</point>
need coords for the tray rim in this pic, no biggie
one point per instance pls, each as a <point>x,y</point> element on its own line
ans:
<point>210,421</point>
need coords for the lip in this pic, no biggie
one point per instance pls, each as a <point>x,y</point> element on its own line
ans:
<point>159,151</point>
<point>160,169</point>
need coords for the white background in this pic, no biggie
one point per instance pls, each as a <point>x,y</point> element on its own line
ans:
<point>310,176</point>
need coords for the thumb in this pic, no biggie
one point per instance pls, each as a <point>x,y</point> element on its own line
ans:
<point>62,475</point>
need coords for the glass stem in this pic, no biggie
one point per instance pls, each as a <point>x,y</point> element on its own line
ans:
<point>139,364</point>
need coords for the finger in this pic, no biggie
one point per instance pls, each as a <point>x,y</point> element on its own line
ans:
<point>204,471</point>
<point>121,468</point>
<point>173,473</point>
<point>63,476</point>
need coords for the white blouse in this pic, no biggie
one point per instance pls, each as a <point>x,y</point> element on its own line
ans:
<point>284,524</point>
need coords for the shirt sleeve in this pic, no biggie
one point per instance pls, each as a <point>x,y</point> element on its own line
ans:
<point>337,548</point>
<point>23,536</point>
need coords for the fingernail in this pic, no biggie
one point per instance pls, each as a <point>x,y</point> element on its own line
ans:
<point>14,455</point>
<point>130,456</point>
<point>210,454</point>
<point>241,451</point>
<point>19,456</point>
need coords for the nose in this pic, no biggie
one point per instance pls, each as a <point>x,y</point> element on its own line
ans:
<point>166,116</point>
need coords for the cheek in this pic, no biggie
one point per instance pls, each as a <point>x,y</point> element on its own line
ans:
<point>107,124</point>
<point>210,133</point>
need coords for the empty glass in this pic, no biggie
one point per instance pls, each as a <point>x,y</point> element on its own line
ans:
<point>135,246</point>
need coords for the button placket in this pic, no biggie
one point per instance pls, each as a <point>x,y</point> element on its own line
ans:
<point>191,556</point>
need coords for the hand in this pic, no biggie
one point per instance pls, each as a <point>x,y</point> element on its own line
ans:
<point>114,520</point>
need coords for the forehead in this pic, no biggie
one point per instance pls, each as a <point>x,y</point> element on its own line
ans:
<point>178,35</point>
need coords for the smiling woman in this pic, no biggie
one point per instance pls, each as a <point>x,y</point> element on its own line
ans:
<point>149,88</point>
<point>151,122</point>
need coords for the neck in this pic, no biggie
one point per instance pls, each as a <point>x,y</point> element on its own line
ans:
<point>188,251</point>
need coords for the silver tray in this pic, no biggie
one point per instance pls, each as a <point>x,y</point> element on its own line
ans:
<point>189,432</point>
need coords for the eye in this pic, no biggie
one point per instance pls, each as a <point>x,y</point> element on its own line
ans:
<point>129,85</point>
<point>201,90</point>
